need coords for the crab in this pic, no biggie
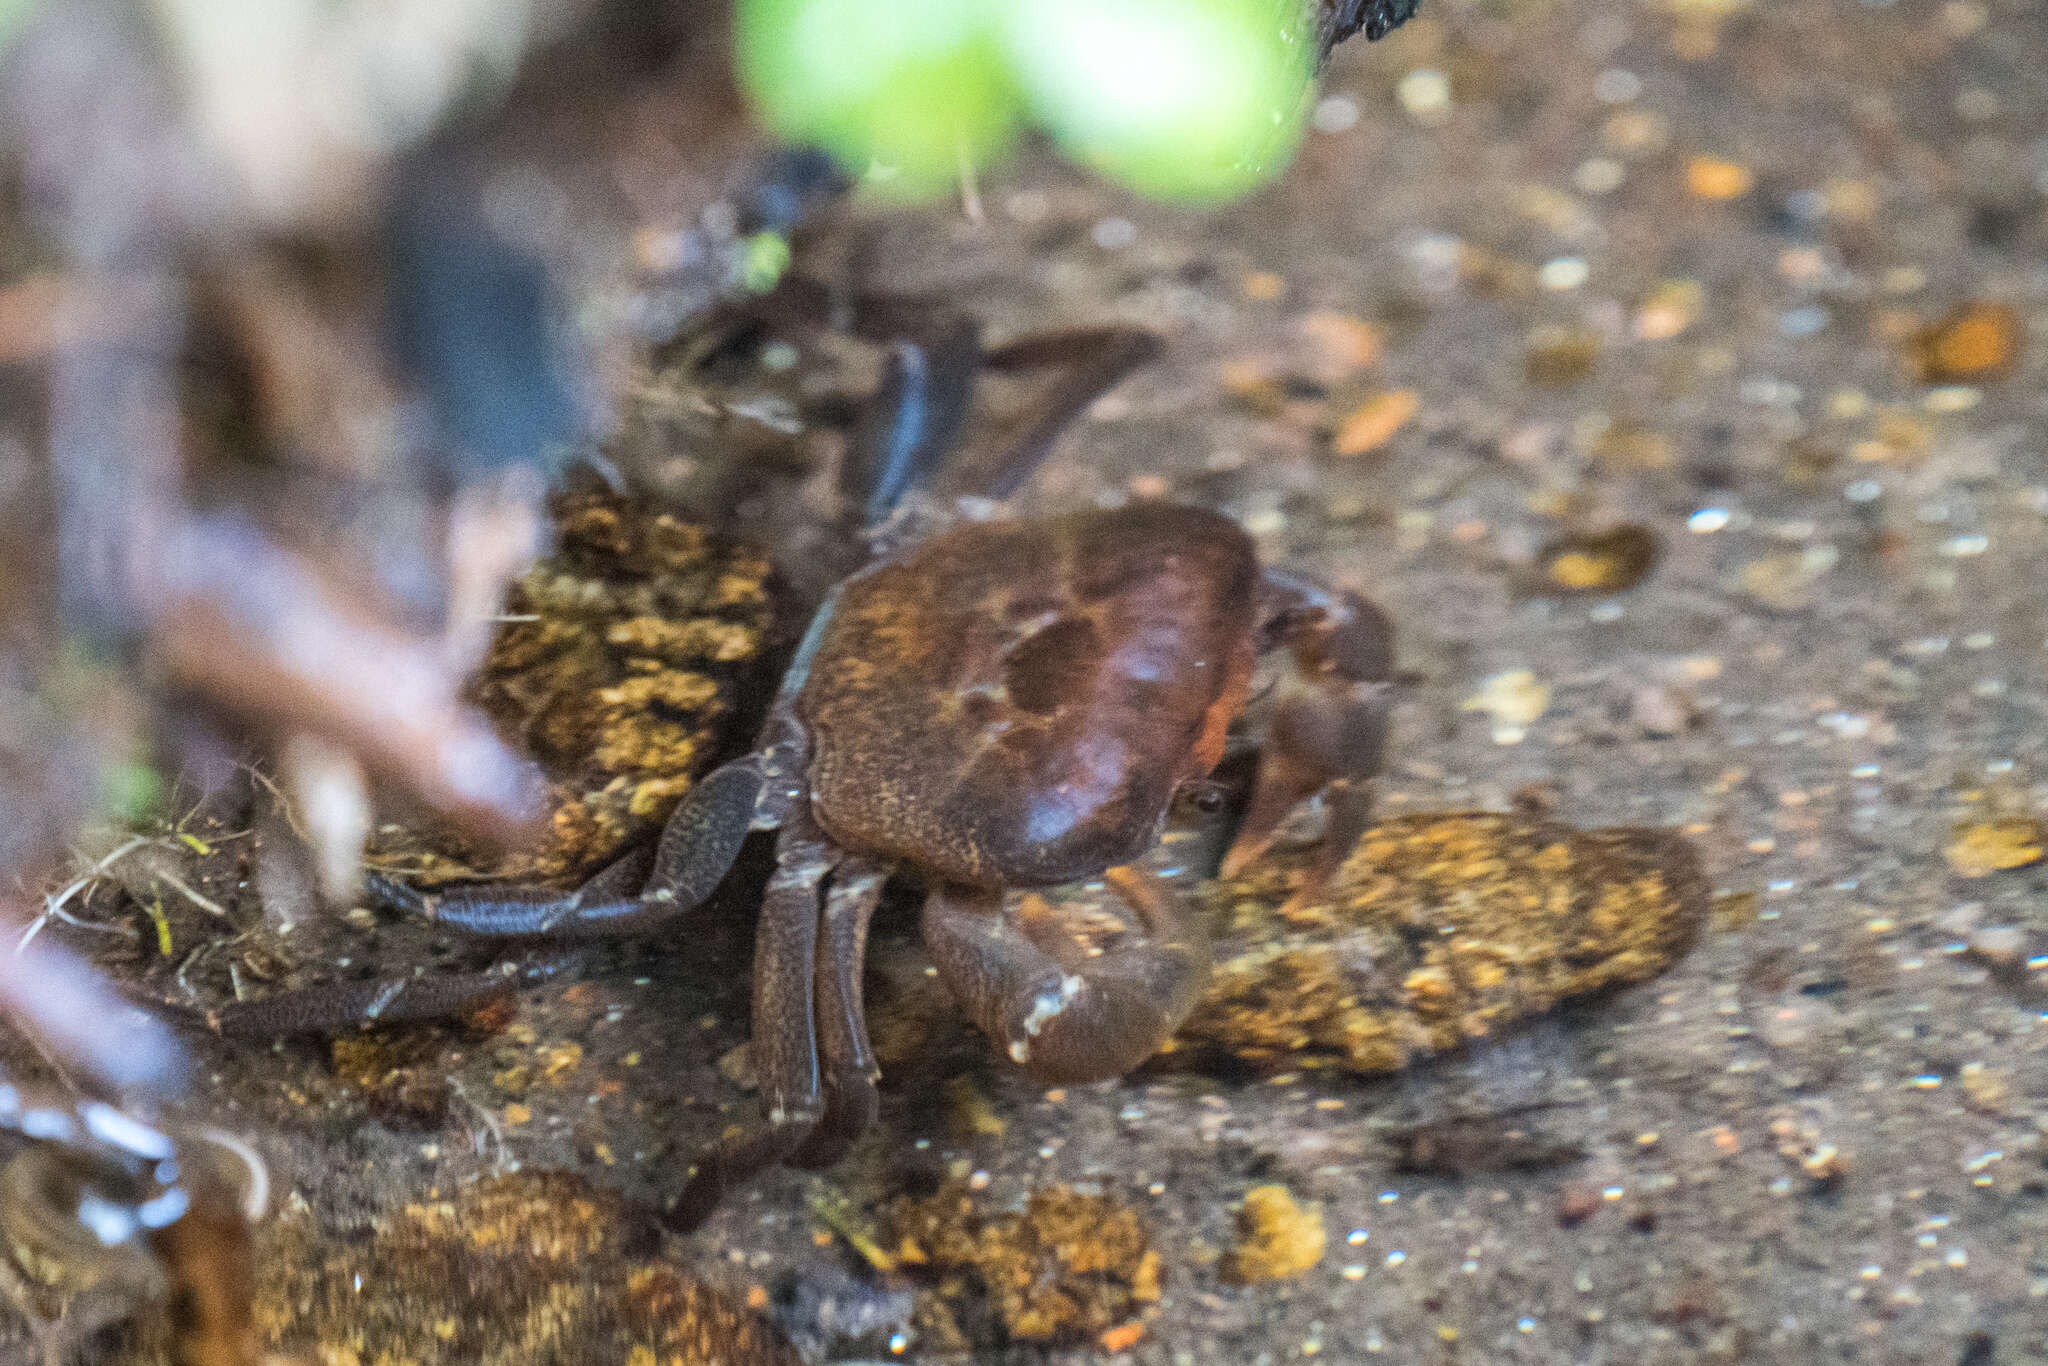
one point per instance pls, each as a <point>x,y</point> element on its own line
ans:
<point>988,705</point>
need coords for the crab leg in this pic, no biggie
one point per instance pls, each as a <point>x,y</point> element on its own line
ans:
<point>935,357</point>
<point>1329,723</point>
<point>912,424</point>
<point>697,849</point>
<point>325,1009</point>
<point>1063,1014</point>
<point>850,1071</point>
<point>1095,358</point>
<point>785,1031</point>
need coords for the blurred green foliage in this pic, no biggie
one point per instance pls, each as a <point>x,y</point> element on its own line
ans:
<point>900,90</point>
<point>766,258</point>
<point>12,12</point>
<point>1179,99</point>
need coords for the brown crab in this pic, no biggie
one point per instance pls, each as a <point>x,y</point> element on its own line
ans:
<point>990,705</point>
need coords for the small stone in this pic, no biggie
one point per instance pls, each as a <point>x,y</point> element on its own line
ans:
<point>1668,310</point>
<point>1979,340</point>
<point>1514,700</point>
<point>1425,96</point>
<point>1577,1203</point>
<point>1826,1164</point>
<point>1987,847</point>
<point>1343,344</point>
<point>1717,178</point>
<point>1372,424</point>
<point>1264,286</point>
<point>1662,710</point>
<point>736,1065</point>
<point>2001,946</point>
<point>1599,561</point>
<point>1123,1337</point>
<point>1253,385</point>
<point>1987,1090</point>
<point>1276,1238</point>
<point>1558,356</point>
<point>1796,1022</point>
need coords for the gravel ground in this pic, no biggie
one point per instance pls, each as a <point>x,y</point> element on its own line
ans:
<point>1692,268</point>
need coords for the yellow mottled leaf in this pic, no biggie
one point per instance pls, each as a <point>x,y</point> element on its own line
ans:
<point>1987,847</point>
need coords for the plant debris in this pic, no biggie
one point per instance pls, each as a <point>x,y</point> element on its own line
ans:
<point>1439,931</point>
<point>1067,1268</point>
<point>532,1266</point>
<point>1986,847</point>
<point>1276,1238</point>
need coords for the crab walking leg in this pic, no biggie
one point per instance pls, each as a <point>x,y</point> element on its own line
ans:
<point>697,849</point>
<point>1095,359</point>
<point>325,1009</point>
<point>1329,723</point>
<point>928,385</point>
<point>850,1071</point>
<point>912,425</point>
<point>785,1029</point>
<point>1064,1015</point>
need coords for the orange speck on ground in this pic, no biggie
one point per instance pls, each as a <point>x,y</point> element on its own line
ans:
<point>1717,178</point>
<point>1373,423</point>
<point>1123,1337</point>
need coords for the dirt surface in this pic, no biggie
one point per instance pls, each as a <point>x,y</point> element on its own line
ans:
<point>1766,287</point>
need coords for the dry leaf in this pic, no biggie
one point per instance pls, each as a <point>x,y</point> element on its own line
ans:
<point>1373,423</point>
<point>1993,846</point>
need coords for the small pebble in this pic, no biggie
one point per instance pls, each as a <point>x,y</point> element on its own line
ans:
<point>1425,96</point>
<point>1335,114</point>
<point>1717,178</point>
<point>1514,700</point>
<point>1577,1203</point>
<point>1999,945</point>
<point>1979,340</point>
<point>1661,710</point>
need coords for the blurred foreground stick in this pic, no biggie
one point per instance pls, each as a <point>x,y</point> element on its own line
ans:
<point>314,344</point>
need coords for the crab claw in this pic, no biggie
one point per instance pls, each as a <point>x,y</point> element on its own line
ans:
<point>1063,1014</point>
<point>1328,730</point>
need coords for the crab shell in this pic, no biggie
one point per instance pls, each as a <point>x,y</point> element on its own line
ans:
<point>1014,703</point>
